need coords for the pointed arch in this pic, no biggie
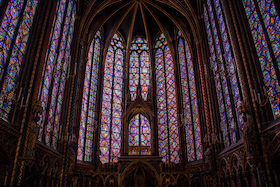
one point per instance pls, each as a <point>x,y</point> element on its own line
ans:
<point>111,114</point>
<point>166,102</point>
<point>190,103</point>
<point>139,133</point>
<point>88,112</point>
<point>139,68</point>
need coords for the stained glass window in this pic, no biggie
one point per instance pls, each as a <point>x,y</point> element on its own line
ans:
<point>266,37</point>
<point>87,122</point>
<point>139,140</point>
<point>55,72</point>
<point>14,33</point>
<point>190,105</point>
<point>139,67</point>
<point>110,136</point>
<point>225,74</point>
<point>168,136</point>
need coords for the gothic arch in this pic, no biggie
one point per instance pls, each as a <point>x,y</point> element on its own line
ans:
<point>111,181</point>
<point>186,11</point>
<point>142,166</point>
<point>139,106</point>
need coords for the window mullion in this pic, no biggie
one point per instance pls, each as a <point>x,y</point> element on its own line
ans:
<point>54,71</point>
<point>112,99</point>
<point>47,57</point>
<point>61,70</point>
<point>190,99</point>
<point>3,8</point>
<point>166,105</point>
<point>231,50</point>
<point>226,71</point>
<point>139,128</point>
<point>139,72</point>
<point>95,122</point>
<point>219,76</point>
<point>238,128</point>
<point>89,88</point>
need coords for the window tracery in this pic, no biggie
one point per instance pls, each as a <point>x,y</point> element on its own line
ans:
<point>111,114</point>
<point>168,136</point>
<point>139,67</point>
<point>139,141</point>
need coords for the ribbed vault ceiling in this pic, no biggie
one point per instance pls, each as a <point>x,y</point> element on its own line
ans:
<point>137,18</point>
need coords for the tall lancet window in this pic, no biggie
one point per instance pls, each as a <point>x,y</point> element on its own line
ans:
<point>87,122</point>
<point>226,79</point>
<point>110,136</point>
<point>139,140</point>
<point>14,33</point>
<point>264,23</point>
<point>168,135</point>
<point>190,105</point>
<point>55,72</point>
<point>139,67</point>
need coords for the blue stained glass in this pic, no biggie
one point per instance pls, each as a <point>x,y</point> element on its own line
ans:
<point>139,70</point>
<point>87,121</point>
<point>230,63</point>
<point>139,140</point>
<point>191,122</point>
<point>166,102</point>
<point>110,136</point>
<point>55,70</point>
<point>50,63</point>
<point>219,91</point>
<point>12,65</point>
<point>272,24</point>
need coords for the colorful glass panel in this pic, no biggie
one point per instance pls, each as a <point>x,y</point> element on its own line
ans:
<point>222,70</point>
<point>161,105</point>
<point>55,71</point>
<point>190,106</point>
<point>272,24</point>
<point>186,102</point>
<point>133,74</point>
<point>87,122</point>
<point>8,27</point>
<point>139,136</point>
<point>134,134</point>
<point>139,68</point>
<point>50,63</point>
<point>230,64</point>
<point>194,104</point>
<point>166,103</point>
<point>58,82</point>
<point>10,65</point>
<point>110,137</point>
<point>217,78</point>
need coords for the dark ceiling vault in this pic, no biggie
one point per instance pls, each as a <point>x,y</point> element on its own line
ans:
<point>137,18</point>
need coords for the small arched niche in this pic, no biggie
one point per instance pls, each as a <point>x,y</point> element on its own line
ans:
<point>139,136</point>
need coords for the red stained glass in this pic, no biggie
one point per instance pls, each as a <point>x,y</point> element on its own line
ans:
<point>110,137</point>
<point>166,103</point>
